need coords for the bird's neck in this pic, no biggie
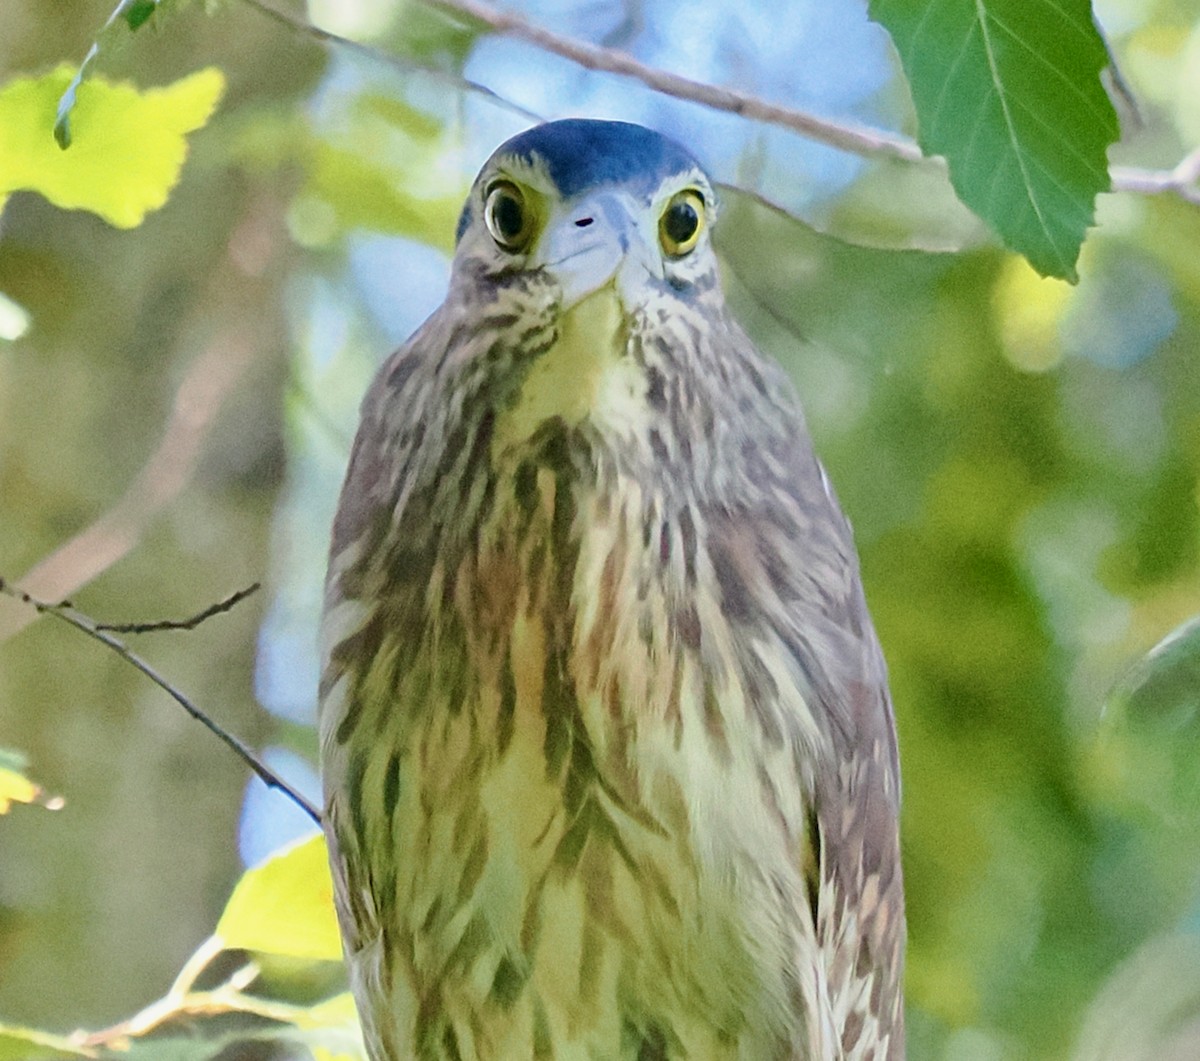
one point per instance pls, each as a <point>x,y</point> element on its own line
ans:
<point>585,374</point>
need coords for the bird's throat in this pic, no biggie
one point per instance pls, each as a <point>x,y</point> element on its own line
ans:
<point>581,375</point>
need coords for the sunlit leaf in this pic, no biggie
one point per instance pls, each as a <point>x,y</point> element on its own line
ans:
<point>1009,92</point>
<point>130,145</point>
<point>26,1044</point>
<point>321,1053</point>
<point>128,17</point>
<point>331,1030</point>
<point>379,165</point>
<point>14,318</point>
<point>15,787</point>
<point>285,906</point>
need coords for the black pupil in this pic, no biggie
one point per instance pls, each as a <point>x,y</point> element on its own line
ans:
<point>508,216</point>
<point>681,222</point>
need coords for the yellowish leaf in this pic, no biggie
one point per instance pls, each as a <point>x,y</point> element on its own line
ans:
<point>364,193</point>
<point>320,1053</point>
<point>331,1030</point>
<point>338,1011</point>
<point>128,145</point>
<point>285,906</point>
<point>15,787</point>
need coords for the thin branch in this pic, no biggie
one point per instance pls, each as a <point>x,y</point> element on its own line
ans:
<point>1183,180</point>
<point>194,967</point>
<point>851,137</point>
<point>73,617</point>
<point>404,64</point>
<point>182,1002</point>
<point>228,604</point>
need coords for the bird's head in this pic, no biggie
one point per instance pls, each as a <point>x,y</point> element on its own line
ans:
<point>583,204</point>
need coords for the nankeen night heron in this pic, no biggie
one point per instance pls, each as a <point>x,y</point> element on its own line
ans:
<point>609,758</point>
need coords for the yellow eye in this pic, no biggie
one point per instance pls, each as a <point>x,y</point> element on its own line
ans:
<point>508,215</point>
<point>681,223</point>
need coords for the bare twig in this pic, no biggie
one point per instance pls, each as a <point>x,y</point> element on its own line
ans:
<point>181,1001</point>
<point>1183,180</point>
<point>857,139</point>
<point>403,64</point>
<point>179,624</point>
<point>73,617</point>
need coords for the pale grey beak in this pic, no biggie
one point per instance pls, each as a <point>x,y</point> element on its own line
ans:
<point>591,240</point>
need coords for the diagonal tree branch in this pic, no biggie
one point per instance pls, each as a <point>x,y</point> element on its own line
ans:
<point>208,382</point>
<point>86,625</point>
<point>849,136</point>
<point>404,64</point>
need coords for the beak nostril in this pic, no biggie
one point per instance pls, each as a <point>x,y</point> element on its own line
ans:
<point>583,222</point>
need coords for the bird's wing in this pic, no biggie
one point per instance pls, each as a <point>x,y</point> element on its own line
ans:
<point>353,622</point>
<point>785,562</point>
<point>856,795</point>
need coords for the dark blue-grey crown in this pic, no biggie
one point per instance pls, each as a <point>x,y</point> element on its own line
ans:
<point>582,153</point>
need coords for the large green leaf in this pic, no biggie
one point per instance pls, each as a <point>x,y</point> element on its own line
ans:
<point>331,1030</point>
<point>1009,92</point>
<point>173,1048</point>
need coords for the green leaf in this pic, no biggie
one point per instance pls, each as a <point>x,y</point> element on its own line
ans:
<point>137,12</point>
<point>284,906</point>
<point>130,151</point>
<point>1009,92</point>
<point>364,194</point>
<point>26,1044</point>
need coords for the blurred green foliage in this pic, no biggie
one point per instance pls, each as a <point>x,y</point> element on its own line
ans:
<point>1020,459</point>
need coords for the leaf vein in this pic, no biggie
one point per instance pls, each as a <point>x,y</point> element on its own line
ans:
<point>1042,60</point>
<point>1026,180</point>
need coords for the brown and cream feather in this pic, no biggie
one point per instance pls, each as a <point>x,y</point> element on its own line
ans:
<point>610,763</point>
